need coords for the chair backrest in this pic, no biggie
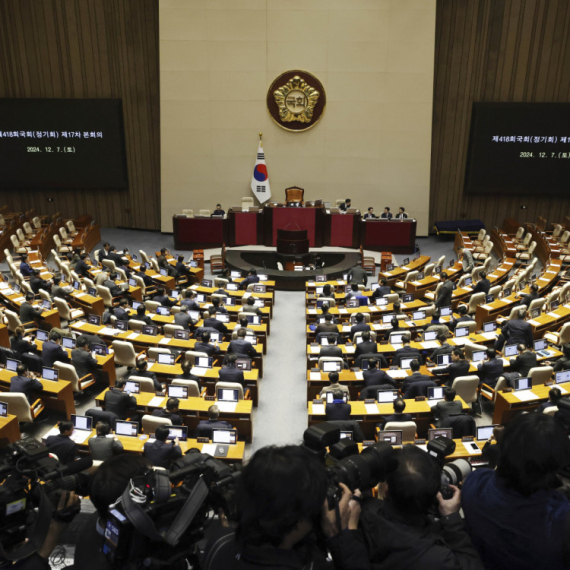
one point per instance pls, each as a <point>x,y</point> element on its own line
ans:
<point>359,334</point>
<point>220,282</point>
<point>105,294</point>
<point>152,306</point>
<point>188,213</point>
<point>536,304</point>
<point>146,384</point>
<point>475,273</point>
<point>109,263</point>
<point>440,261</point>
<point>531,248</point>
<point>247,201</point>
<point>18,406</point>
<point>57,241</point>
<point>28,228</point>
<point>393,334</point>
<point>13,320</point>
<point>409,429</point>
<point>100,415</point>
<point>150,423</point>
<point>205,212</point>
<point>330,359</point>
<point>495,291</point>
<point>154,264</point>
<point>411,276</point>
<point>154,351</point>
<point>191,355</point>
<point>520,233</point>
<point>169,329</point>
<point>144,256</point>
<point>37,223</point>
<point>527,239</point>
<point>565,237</point>
<point>428,271</point>
<point>68,373</point>
<point>294,194</point>
<point>44,295</point>
<point>135,325</point>
<point>462,424</point>
<point>71,226</point>
<point>470,347</point>
<point>475,300</point>
<point>192,385</point>
<point>540,374</point>
<point>62,308</point>
<point>550,411</point>
<point>140,283</point>
<point>20,234</point>
<point>466,388</point>
<point>15,242</point>
<point>63,233</point>
<point>125,354</point>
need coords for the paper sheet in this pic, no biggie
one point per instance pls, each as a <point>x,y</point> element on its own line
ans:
<point>371,408</point>
<point>489,335</point>
<point>359,375</point>
<point>318,409</point>
<point>430,344</point>
<point>209,448</point>
<point>133,335</point>
<point>397,373</point>
<point>526,395</point>
<point>314,375</point>
<point>164,340</point>
<point>227,407</point>
<point>157,402</point>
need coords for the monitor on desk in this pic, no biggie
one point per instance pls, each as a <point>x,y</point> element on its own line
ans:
<point>418,315</point>
<point>253,319</point>
<point>132,387</point>
<point>42,335</point>
<point>206,283</point>
<point>321,279</point>
<point>232,287</point>
<point>82,422</point>
<point>12,364</point>
<point>435,393</point>
<point>430,335</point>
<point>94,320</point>
<point>180,392</point>
<point>167,359</point>
<point>50,374</point>
<point>511,350</point>
<point>204,361</point>
<point>129,429</point>
<point>396,338</point>
<point>408,298</point>
<point>386,396</point>
<point>540,344</point>
<point>259,288</point>
<point>523,384</point>
<point>406,261</point>
<point>224,436</point>
<point>393,437</point>
<point>263,277</point>
<point>68,342</point>
<point>468,281</point>
<point>489,327</point>
<point>132,282</point>
<point>136,305</point>
<point>150,330</point>
<point>164,272</point>
<point>319,290</point>
<point>489,298</point>
<point>163,311</point>
<point>381,301</point>
<point>331,366</point>
<point>374,286</point>
<point>121,325</point>
<point>434,433</point>
<point>46,305</point>
<point>352,303</point>
<point>461,332</point>
<point>216,337</point>
<point>405,363</point>
<point>330,397</point>
<point>420,276</point>
<point>3,410</point>
<point>364,364</point>
<point>484,433</point>
<point>181,334</point>
<point>92,291</point>
<point>507,292</point>
<point>446,311</point>
<point>222,317</point>
<point>100,349</point>
<point>478,356</point>
<point>437,269</point>
<point>77,285</point>
<point>451,262</point>
<point>229,301</point>
<point>554,305</point>
<point>387,319</point>
<point>194,315</point>
<point>535,313</point>
<point>235,274</point>
<point>443,359</point>
<point>562,377</point>
<point>389,267</point>
<point>200,298</point>
<point>180,432</point>
<point>174,293</point>
<point>225,395</point>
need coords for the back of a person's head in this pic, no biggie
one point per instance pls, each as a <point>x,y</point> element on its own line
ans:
<point>331,338</point>
<point>241,333</point>
<point>65,425</point>
<point>206,337</point>
<point>441,337</point>
<point>337,394</point>
<point>333,377</point>
<point>141,364</point>
<point>413,486</point>
<point>534,447</point>
<point>279,487</point>
<point>82,342</point>
<point>415,365</point>
<point>554,394</point>
<point>161,433</point>
<point>20,331</point>
<point>141,309</point>
<point>359,317</point>
<point>186,366</point>
<point>491,353</point>
<point>449,394</point>
<point>243,322</point>
<point>172,404</point>
<point>328,317</point>
<point>354,287</point>
<point>399,405</point>
<point>214,412</point>
<point>54,335</point>
<point>459,353</point>
<point>406,338</point>
<point>21,369</point>
<point>365,336</point>
<point>372,363</point>
<point>112,478</point>
<point>102,428</point>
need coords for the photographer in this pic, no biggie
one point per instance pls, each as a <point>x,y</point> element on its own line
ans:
<point>281,510</point>
<point>400,532</point>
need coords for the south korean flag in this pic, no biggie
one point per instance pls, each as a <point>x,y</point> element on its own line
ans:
<point>260,181</point>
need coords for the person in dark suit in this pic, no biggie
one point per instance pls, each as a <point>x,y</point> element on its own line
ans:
<point>415,376</point>
<point>554,396</point>
<point>82,360</point>
<point>212,322</point>
<point>90,338</point>
<point>218,211</point>
<point>525,360</point>
<point>334,385</point>
<point>25,384</point>
<point>122,311</point>
<point>171,412</point>
<point>378,356</point>
<point>327,291</point>
<point>141,370</point>
<point>162,453</point>
<point>398,415</point>
<point>418,389</point>
<point>183,319</point>
<point>360,325</point>
<point>345,205</point>
<point>58,291</point>
<point>367,345</point>
<point>353,293</point>
<point>491,368</point>
<point>515,331</point>
<point>244,324</point>
<point>327,327</point>
<point>449,406</point>
<point>382,290</point>
<point>386,214</point>
<point>102,447</point>
<point>147,279</point>
<point>251,278</point>
<point>19,344</point>
<point>230,373</point>
<point>203,345</point>
<point>162,298</point>
<point>62,445</point>
<point>401,215</point>
<point>250,307</point>
<point>528,298</point>
<point>119,402</point>
<point>103,253</point>
<point>25,267</point>
<point>331,349</point>
<point>205,427</point>
<point>370,215</point>
<point>406,351</point>
<point>463,317</point>
<point>358,274</point>
<point>52,350</point>
<point>483,285</point>
<point>220,308</point>
<point>163,263</point>
<point>37,283</point>
<point>190,301</point>
<point>375,376</point>
<point>458,367</point>
<point>114,289</point>
<point>142,316</point>
<point>181,267</point>
<point>29,313</point>
<point>445,292</point>
<point>81,267</point>
<point>338,410</point>
<point>445,348</point>
<point>242,347</point>
<point>120,260</point>
<point>186,374</point>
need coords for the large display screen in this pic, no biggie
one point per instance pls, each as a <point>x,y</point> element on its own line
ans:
<point>62,143</point>
<point>519,148</point>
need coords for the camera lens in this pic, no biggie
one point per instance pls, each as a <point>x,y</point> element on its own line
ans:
<point>455,471</point>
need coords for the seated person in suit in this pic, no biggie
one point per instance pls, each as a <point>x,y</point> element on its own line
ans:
<point>528,298</point>
<point>458,367</point>
<point>353,293</point>
<point>445,292</point>
<point>142,316</point>
<point>358,274</point>
<point>58,291</point>
<point>241,346</point>
<point>360,325</point>
<point>327,291</point>
<point>212,322</point>
<point>250,307</point>
<point>205,427</point>
<point>218,306</point>
<point>436,324</point>
<point>386,214</point>
<point>338,410</point>
<point>401,215</point>
<point>162,298</point>
<point>331,349</point>
<point>374,375</point>
<point>122,311</point>
<point>327,327</point>
<point>367,345</point>
<point>147,279</point>
<point>406,351</point>
<point>229,373</point>
<point>102,447</point>
<point>346,205</point>
<point>189,300</point>
<point>181,267</point>
<point>218,211</point>
<point>244,324</point>
<point>334,385</point>
<point>483,285</point>
<point>119,402</point>
<point>554,396</point>
<point>382,290</point>
<point>52,350</point>
<point>160,452</point>
<point>325,310</point>
<point>29,313</point>
<point>62,444</point>
<point>37,283</point>
<point>163,263</point>
<point>141,370</point>
<point>203,345</point>
<point>395,327</point>
<point>515,331</point>
<point>562,363</point>
<point>186,366</point>
<point>82,359</point>
<point>415,376</point>
<point>171,412</point>
<point>491,368</point>
<point>114,289</point>
<point>25,384</point>
<point>81,267</point>
<point>103,253</point>
<point>449,406</point>
<point>121,261</point>
<point>251,278</point>
<point>370,215</point>
<point>25,267</point>
<point>19,344</point>
<point>183,319</point>
<point>463,317</point>
<point>445,348</point>
<point>398,415</point>
<point>525,360</point>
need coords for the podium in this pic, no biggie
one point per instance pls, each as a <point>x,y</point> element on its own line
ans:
<point>292,242</point>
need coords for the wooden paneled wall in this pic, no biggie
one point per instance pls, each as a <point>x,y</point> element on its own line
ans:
<point>90,49</point>
<point>493,50</point>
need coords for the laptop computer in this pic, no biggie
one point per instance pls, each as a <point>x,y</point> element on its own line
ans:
<point>150,330</point>
<point>523,384</point>
<point>446,311</point>
<point>347,435</point>
<point>435,393</point>
<point>485,432</point>
<point>83,427</point>
<point>461,332</point>
<point>42,335</point>
<point>163,311</point>
<point>136,305</point>
<point>232,287</point>
<point>386,396</point>
<point>3,410</point>
<point>329,396</point>
<point>180,392</point>
<point>510,350</point>
<point>180,432</point>
<point>540,346</point>
<point>46,304</point>
<point>418,315</point>
<point>181,335</point>
<point>12,364</point>
<point>128,429</point>
<point>443,359</point>
<point>132,282</point>
<point>408,298</point>
<point>94,320</point>
<point>164,272</point>
<point>50,374</point>
<point>203,361</point>
<point>331,366</point>
<point>253,319</point>
<point>430,335</point>
<point>77,285</point>
<point>167,359</point>
<point>121,325</point>
<point>227,395</point>
<point>478,355</point>
<point>68,342</point>
<point>393,437</point>
<point>434,433</point>
<point>381,302</point>
<point>100,349</point>
<point>263,277</point>
<point>132,387</point>
<point>396,338</point>
<point>222,317</point>
<point>206,283</point>
<point>92,291</point>
<point>562,377</point>
<point>223,438</point>
<point>489,327</point>
<point>405,363</point>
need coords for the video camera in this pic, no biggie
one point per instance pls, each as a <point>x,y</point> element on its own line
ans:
<point>345,464</point>
<point>31,484</point>
<point>161,516</point>
<point>452,473</point>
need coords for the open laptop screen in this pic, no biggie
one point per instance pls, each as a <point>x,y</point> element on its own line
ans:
<point>180,432</point>
<point>50,374</point>
<point>386,396</point>
<point>227,436</point>
<point>225,395</point>
<point>126,428</point>
<point>434,433</point>
<point>132,387</point>
<point>484,432</point>
<point>443,359</point>
<point>511,350</point>
<point>180,392</point>
<point>435,393</point>
<point>82,422</point>
<point>393,437</point>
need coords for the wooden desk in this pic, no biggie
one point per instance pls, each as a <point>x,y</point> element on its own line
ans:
<point>199,232</point>
<point>9,430</point>
<point>460,452</point>
<point>397,236</point>
<point>193,410</point>
<point>55,395</point>
<point>398,273</point>
<point>4,337</point>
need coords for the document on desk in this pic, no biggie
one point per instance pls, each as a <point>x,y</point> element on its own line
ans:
<point>209,449</point>
<point>312,311</point>
<point>164,340</point>
<point>132,336</point>
<point>227,407</point>
<point>371,408</point>
<point>150,365</point>
<point>79,436</point>
<point>315,349</point>
<point>350,349</point>
<point>314,376</point>
<point>359,375</point>
<point>553,315</point>
<point>430,344</point>
<point>343,311</point>
<point>430,295</point>
<point>460,341</point>
<point>397,374</point>
<point>108,330</point>
<point>157,402</point>
<point>526,395</point>
<point>318,409</point>
<point>346,328</point>
<point>562,390</point>
<point>489,335</point>
<point>198,371</point>
<point>79,324</point>
<point>79,295</point>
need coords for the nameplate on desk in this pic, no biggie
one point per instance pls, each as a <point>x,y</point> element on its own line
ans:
<point>314,375</point>
<point>209,398</point>
<point>371,408</point>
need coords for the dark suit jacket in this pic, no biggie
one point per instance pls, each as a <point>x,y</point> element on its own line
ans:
<point>37,283</point>
<point>52,352</point>
<point>242,348</point>
<point>331,351</point>
<point>326,328</point>
<point>397,418</point>
<point>28,312</point>
<point>19,345</point>
<point>456,369</point>
<point>121,314</point>
<point>382,362</point>
<point>528,299</point>
<point>27,386</point>
<point>191,304</point>
<point>83,361</point>
<point>183,320</point>
<point>359,327</point>
<point>64,447</point>
<point>205,427</point>
<point>372,391</point>
<point>81,268</point>
<point>381,291</point>
<point>206,347</point>
<point>119,403</point>
<point>457,322</point>
<point>358,275</point>
<point>418,389</point>
<point>114,289</point>
<point>232,375</point>
<point>365,348</point>
<point>102,448</point>
<point>523,363</point>
<point>340,411</point>
<point>161,453</point>
<point>444,409</point>
<point>147,279</point>
<point>444,349</point>
<point>146,374</point>
<point>215,324</point>
<point>176,419</point>
<point>374,377</point>
<point>444,295</point>
<point>518,331</point>
<point>248,280</point>
<point>482,286</point>
<point>164,300</point>
<point>489,371</point>
<point>406,352</point>
<point>415,377</point>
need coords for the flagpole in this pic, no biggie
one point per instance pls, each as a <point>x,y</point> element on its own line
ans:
<point>260,141</point>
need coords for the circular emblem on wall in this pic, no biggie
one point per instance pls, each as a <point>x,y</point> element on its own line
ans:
<point>296,100</point>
